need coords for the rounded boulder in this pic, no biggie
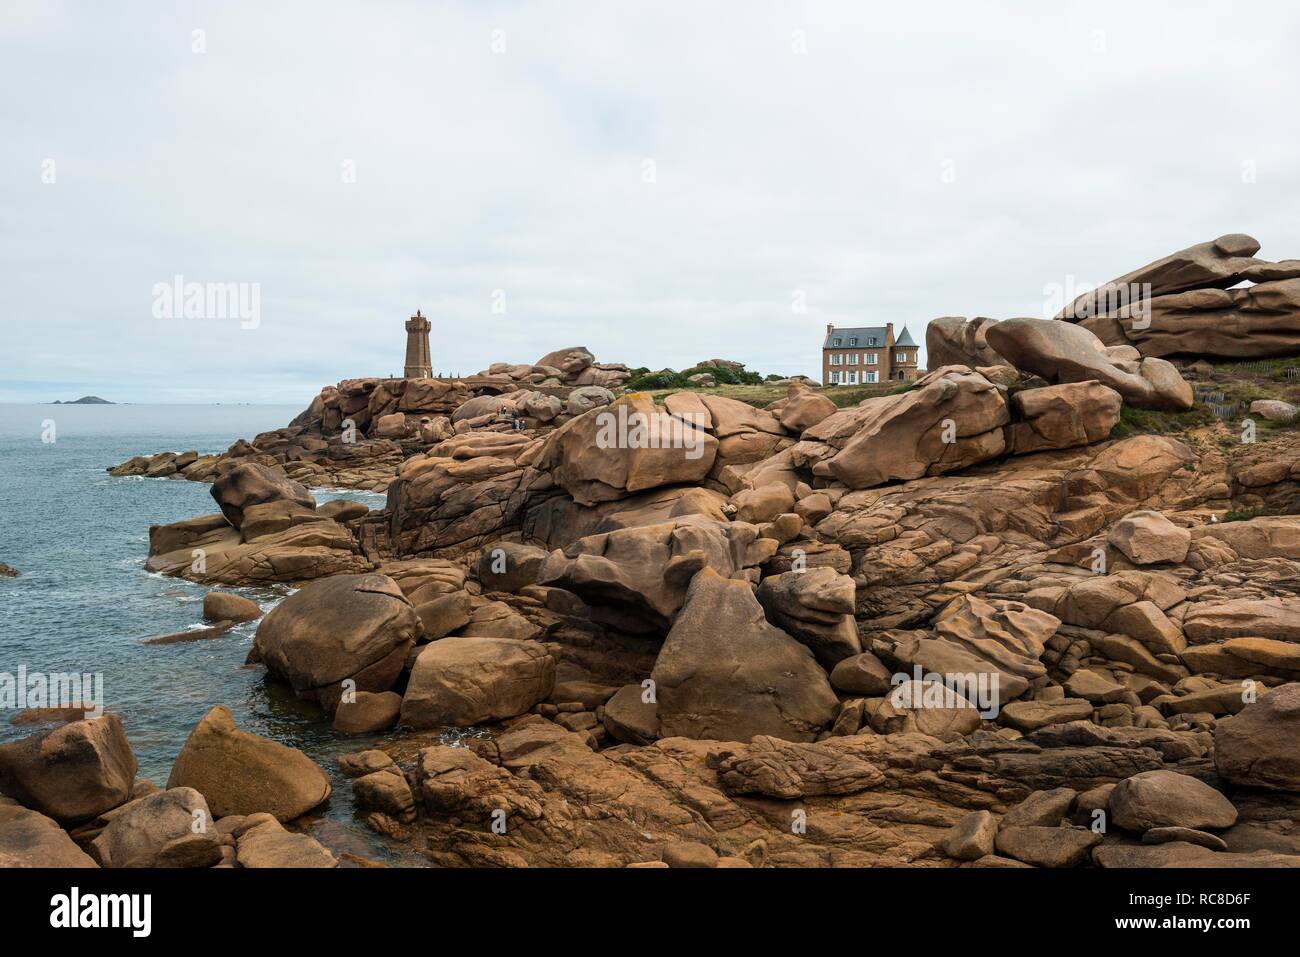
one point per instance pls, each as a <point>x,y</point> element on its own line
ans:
<point>348,627</point>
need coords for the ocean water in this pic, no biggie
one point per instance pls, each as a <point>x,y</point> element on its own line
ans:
<point>84,602</point>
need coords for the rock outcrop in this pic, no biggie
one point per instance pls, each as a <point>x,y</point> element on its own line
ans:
<point>70,773</point>
<point>240,773</point>
<point>30,839</point>
<point>629,446</point>
<point>250,485</point>
<point>1060,352</point>
<point>463,681</point>
<point>948,625</point>
<point>340,635</point>
<point>172,828</point>
<point>1183,304</point>
<point>725,673</point>
<point>1260,746</point>
<point>637,578</point>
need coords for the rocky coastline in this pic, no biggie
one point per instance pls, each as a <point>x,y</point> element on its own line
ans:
<point>1040,607</point>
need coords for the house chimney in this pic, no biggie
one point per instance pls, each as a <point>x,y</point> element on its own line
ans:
<point>889,333</point>
<point>829,328</point>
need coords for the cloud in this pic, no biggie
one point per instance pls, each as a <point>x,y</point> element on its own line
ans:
<point>652,181</point>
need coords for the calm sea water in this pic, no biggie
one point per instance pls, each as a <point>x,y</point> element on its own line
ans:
<point>84,603</point>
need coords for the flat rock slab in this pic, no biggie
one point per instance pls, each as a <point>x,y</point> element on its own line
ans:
<point>1047,846</point>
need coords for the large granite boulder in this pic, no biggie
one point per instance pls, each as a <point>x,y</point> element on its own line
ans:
<point>71,773</point>
<point>588,397</point>
<point>1183,304</point>
<point>223,606</point>
<point>1266,536</point>
<point>745,434</point>
<point>815,606</point>
<point>1253,322</point>
<point>636,578</point>
<point>571,362</point>
<point>1006,633</point>
<point>268,844</point>
<point>30,839</point>
<point>357,627</point>
<point>253,484</point>
<point>926,707</point>
<point>463,681</point>
<point>468,491</point>
<point>953,417</point>
<point>1260,746</point>
<point>242,773</point>
<point>207,549</point>
<point>803,408</point>
<point>1062,416</point>
<point>1148,538</point>
<point>1060,352</point>
<point>958,341</point>
<point>1168,799</point>
<point>626,447</point>
<point>509,566</point>
<point>725,673</point>
<point>172,828</point>
<point>1276,618</point>
<point>1216,264</point>
<point>992,647</point>
<point>632,716</point>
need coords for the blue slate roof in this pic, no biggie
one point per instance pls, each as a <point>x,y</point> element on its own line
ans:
<point>863,334</point>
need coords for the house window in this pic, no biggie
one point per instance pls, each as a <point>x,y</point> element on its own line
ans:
<point>871,341</point>
<point>853,341</point>
<point>853,378</point>
<point>871,358</point>
<point>902,357</point>
<point>835,378</point>
<point>870,377</point>
<point>835,342</point>
<point>853,358</point>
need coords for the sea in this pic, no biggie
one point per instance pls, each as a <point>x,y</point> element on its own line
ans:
<point>83,601</point>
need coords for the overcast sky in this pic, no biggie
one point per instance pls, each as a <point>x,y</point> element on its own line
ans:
<point>662,182</point>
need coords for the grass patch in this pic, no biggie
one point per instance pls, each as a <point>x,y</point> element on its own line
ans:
<point>1151,422</point>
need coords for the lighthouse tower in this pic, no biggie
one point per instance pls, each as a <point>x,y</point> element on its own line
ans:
<point>418,363</point>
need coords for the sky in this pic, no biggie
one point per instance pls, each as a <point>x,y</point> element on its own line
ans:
<point>660,182</point>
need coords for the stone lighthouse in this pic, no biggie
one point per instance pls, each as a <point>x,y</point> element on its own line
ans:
<point>418,363</point>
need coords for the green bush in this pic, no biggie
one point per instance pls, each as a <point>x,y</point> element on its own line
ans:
<point>1244,514</point>
<point>668,379</point>
<point>724,375</point>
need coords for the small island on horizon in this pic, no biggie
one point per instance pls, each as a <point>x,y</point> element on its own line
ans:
<point>85,400</point>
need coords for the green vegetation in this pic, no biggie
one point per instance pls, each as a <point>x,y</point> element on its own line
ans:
<point>847,395</point>
<point>644,380</point>
<point>1236,385</point>
<point>1150,422</point>
<point>1244,514</point>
